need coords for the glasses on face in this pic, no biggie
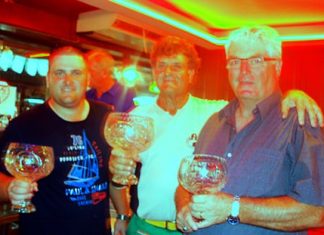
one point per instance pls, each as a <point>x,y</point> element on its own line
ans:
<point>253,62</point>
<point>75,74</point>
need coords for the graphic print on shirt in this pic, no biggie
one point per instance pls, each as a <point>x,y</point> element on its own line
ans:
<point>84,173</point>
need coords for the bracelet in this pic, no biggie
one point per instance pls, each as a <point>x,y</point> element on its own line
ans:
<point>123,217</point>
<point>118,186</point>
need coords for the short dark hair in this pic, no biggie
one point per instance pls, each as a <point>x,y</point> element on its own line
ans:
<point>66,50</point>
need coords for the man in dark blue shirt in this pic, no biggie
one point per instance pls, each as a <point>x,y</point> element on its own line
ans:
<point>104,87</point>
<point>275,180</point>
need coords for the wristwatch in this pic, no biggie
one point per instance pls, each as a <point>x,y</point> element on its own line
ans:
<point>123,217</point>
<point>234,218</point>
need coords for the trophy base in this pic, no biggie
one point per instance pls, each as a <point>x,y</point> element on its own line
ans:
<point>23,207</point>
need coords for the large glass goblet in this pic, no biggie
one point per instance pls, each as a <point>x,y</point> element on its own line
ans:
<point>131,133</point>
<point>203,173</point>
<point>30,163</point>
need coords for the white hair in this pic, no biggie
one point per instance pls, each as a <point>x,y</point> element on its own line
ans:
<point>266,35</point>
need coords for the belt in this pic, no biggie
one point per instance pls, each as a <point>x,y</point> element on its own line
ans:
<point>170,225</point>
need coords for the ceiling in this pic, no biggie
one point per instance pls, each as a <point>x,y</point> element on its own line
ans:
<point>136,24</point>
<point>211,20</point>
<point>229,14</point>
<point>68,8</point>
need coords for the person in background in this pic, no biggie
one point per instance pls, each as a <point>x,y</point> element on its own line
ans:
<point>68,201</point>
<point>275,178</point>
<point>103,86</point>
<point>178,118</point>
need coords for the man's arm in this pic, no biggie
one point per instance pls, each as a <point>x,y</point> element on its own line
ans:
<point>280,213</point>
<point>121,204</point>
<point>119,199</point>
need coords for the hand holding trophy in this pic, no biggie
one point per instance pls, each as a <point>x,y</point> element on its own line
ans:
<point>30,163</point>
<point>131,133</point>
<point>203,173</point>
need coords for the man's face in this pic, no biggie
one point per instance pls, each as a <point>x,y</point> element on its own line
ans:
<point>67,80</point>
<point>101,71</point>
<point>173,75</point>
<point>251,80</point>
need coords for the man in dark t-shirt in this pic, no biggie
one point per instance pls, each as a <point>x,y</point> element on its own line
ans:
<point>73,199</point>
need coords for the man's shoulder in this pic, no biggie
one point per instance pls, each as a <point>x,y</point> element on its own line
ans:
<point>122,89</point>
<point>91,93</point>
<point>143,109</point>
<point>214,105</point>
<point>35,113</point>
<point>99,106</point>
<point>29,121</point>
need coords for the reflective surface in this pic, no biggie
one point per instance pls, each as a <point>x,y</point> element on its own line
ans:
<point>31,163</point>
<point>202,173</point>
<point>131,133</point>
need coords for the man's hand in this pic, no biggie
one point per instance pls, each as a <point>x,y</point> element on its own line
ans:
<point>185,221</point>
<point>20,190</point>
<point>120,227</point>
<point>122,163</point>
<point>302,102</point>
<point>211,209</point>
